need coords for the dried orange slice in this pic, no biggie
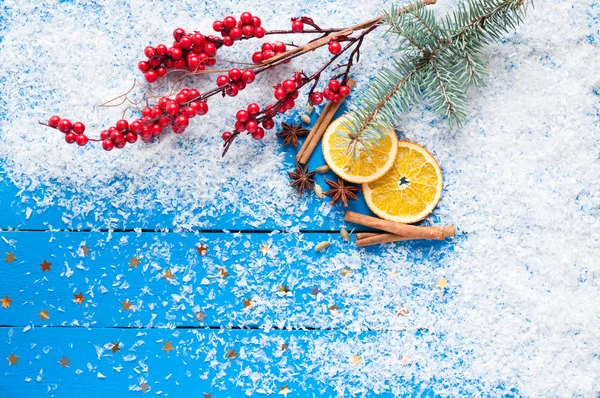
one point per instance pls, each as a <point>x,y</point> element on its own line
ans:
<point>410,190</point>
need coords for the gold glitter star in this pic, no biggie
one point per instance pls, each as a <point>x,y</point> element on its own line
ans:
<point>346,272</point>
<point>79,299</point>
<point>85,250</point>
<point>126,305</point>
<point>167,346</point>
<point>403,311</point>
<point>6,302</point>
<point>200,316</point>
<point>64,362</point>
<point>265,249</point>
<point>115,347</point>
<point>9,258</point>
<point>231,354</point>
<point>223,272</point>
<point>45,266</point>
<point>248,303</point>
<point>334,308</point>
<point>134,262</point>
<point>208,395</point>
<point>284,347</point>
<point>442,283</point>
<point>283,290</point>
<point>355,360</point>
<point>202,249</point>
<point>284,390</point>
<point>168,275</point>
<point>144,386</point>
<point>44,315</point>
<point>12,359</point>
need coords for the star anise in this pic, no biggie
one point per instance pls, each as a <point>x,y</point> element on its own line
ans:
<point>302,179</point>
<point>342,192</point>
<point>291,132</point>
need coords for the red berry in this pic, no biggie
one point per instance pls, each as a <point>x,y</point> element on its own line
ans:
<point>246,18</point>
<point>240,85</point>
<point>334,85</point>
<point>81,139</point>
<point>70,137</point>
<point>116,137</point>
<point>227,41</point>
<point>146,111</point>
<point>209,62</point>
<point>297,26</point>
<point>267,47</point>
<point>143,66</point>
<point>258,134</point>
<point>197,40</point>
<point>156,129</point>
<point>122,125</point>
<point>252,126</point>
<point>317,98</point>
<point>151,76</point>
<point>161,71</point>
<point>179,64</point>
<point>248,76</point>
<point>226,135</point>
<point>193,94</point>
<point>136,126</point>
<point>268,54</point>
<point>257,57</point>
<point>181,98</point>
<point>253,109</point>
<point>189,112</point>
<point>289,103</point>
<point>78,128</point>
<point>217,26</point>
<point>185,42</point>
<point>149,52</point>
<point>178,34</point>
<point>121,144</point>
<point>232,90</point>
<point>182,121</point>
<point>156,111</point>
<point>104,134</point>
<point>234,74</point>
<point>161,49</point>
<point>248,31</point>
<point>65,125</point>
<point>164,121</point>
<point>288,85</point>
<point>107,145</point>
<point>242,116</point>
<point>268,124</point>
<point>169,64</point>
<point>222,80</point>
<point>336,98</point>
<point>256,22</point>
<point>235,33</point>
<point>176,53</point>
<point>328,94</point>
<point>229,22</point>
<point>203,108</point>
<point>53,121</point>
<point>130,137</point>
<point>259,32</point>
<point>334,47</point>
<point>279,94</point>
<point>153,62</point>
<point>210,49</point>
<point>279,47</point>
<point>344,91</point>
<point>193,62</point>
<point>173,108</point>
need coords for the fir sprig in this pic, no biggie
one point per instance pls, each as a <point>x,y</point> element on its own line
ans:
<point>439,60</point>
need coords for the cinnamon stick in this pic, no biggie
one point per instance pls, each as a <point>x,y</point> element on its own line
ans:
<point>317,132</point>
<point>404,230</point>
<point>374,238</point>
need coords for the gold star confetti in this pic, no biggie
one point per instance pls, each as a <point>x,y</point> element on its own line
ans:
<point>85,250</point>
<point>12,359</point>
<point>64,362</point>
<point>265,249</point>
<point>9,258</point>
<point>231,354</point>
<point>44,315</point>
<point>404,361</point>
<point>134,262</point>
<point>200,316</point>
<point>442,283</point>
<point>45,266</point>
<point>6,302</point>
<point>346,272</point>
<point>167,346</point>
<point>208,395</point>
<point>202,249</point>
<point>223,272</point>
<point>126,305</point>
<point>334,308</point>
<point>144,386</point>
<point>168,275</point>
<point>248,303</point>
<point>284,390</point>
<point>355,360</point>
<point>283,290</point>
<point>79,299</point>
<point>315,291</point>
<point>403,311</point>
<point>115,347</point>
<point>284,347</point>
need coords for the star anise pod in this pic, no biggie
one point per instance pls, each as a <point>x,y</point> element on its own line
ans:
<point>302,179</point>
<point>291,132</point>
<point>341,192</point>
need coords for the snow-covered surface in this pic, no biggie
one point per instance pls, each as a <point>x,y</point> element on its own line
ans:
<point>522,312</point>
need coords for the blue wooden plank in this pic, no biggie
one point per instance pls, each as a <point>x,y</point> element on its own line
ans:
<point>198,363</point>
<point>106,280</point>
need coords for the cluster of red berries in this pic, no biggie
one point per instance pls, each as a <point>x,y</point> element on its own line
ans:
<point>235,80</point>
<point>73,131</point>
<point>269,50</point>
<point>287,92</point>
<point>334,92</point>
<point>246,120</point>
<point>246,26</point>
<point>192,51</point>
